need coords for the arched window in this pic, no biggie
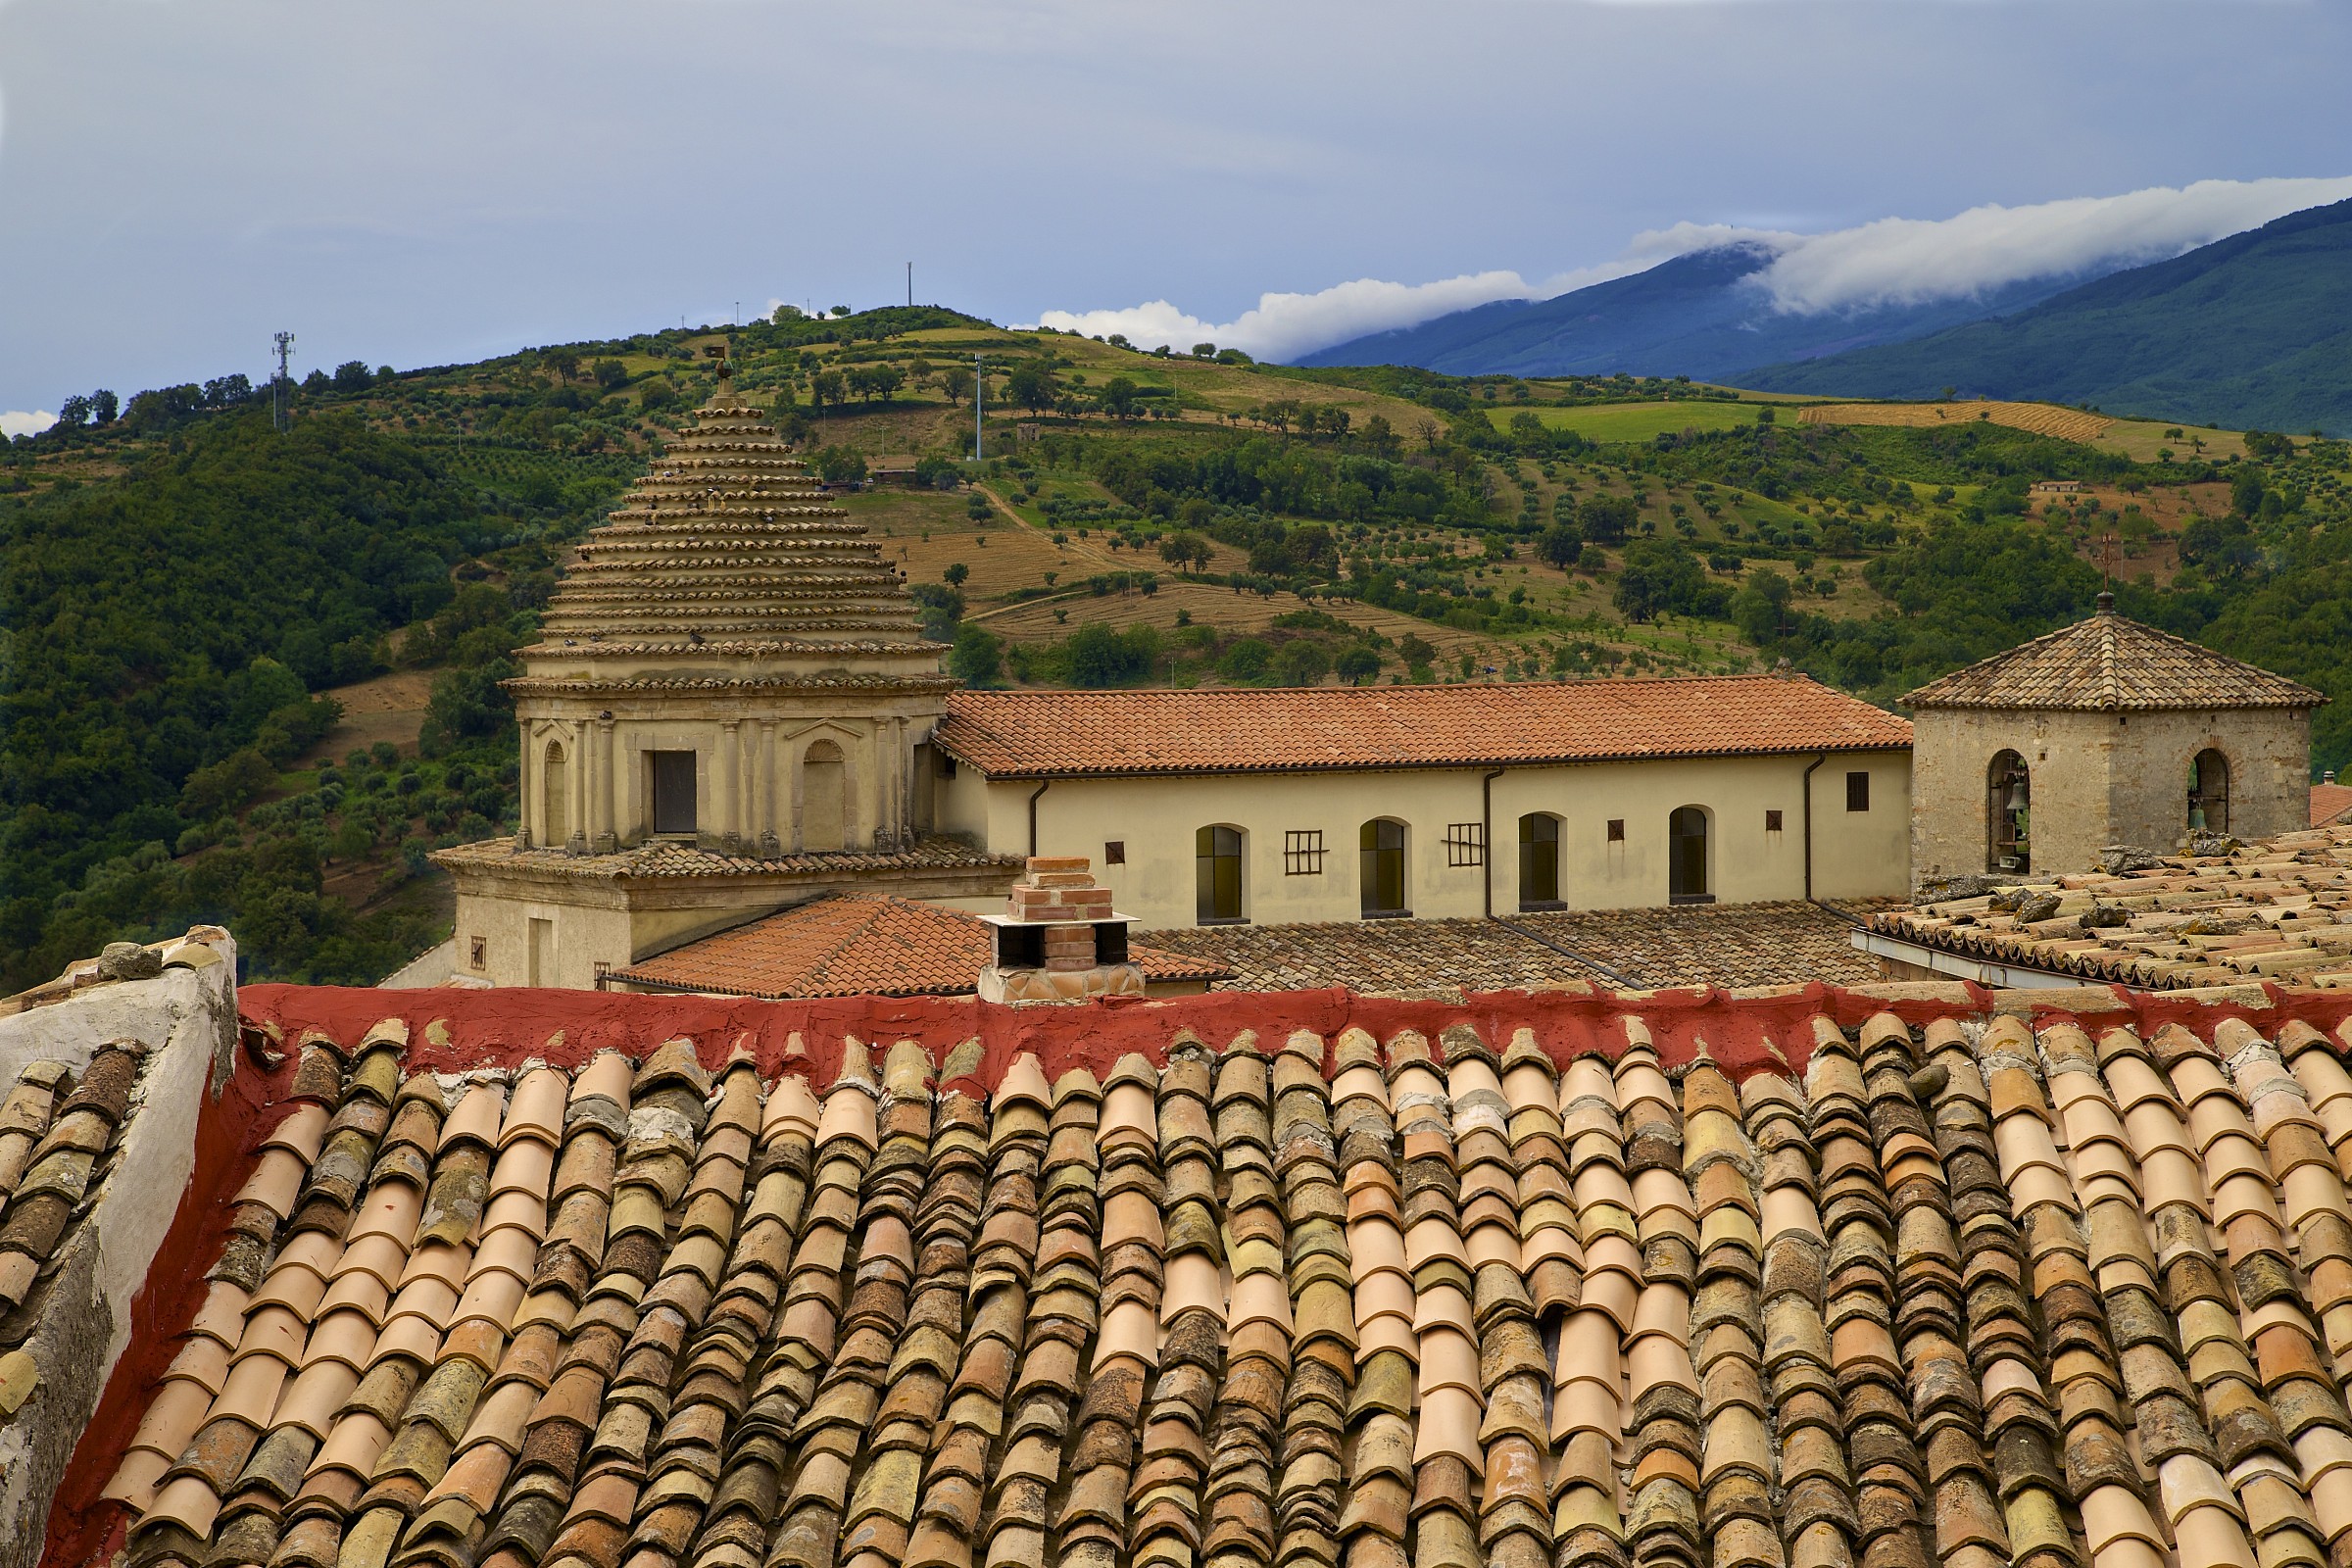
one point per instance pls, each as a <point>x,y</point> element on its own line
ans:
<point>1381,866</point>
<point>1687,880</point>
<point>2008,815</point>
<point>823,824</point>
<point>2209,793</point>
<point>554,799</point>
<point>1217,864</point>
<point>1539,860</point>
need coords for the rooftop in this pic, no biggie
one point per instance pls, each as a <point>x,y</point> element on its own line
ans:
<point>1124,733</point>
<point>1724,945</point>
<point>1817,1276</point>
<point>674,858</point>
<point>2107,663</point>
<point>847,944</point>
<point>2328,801</point>
<point>726,544</point>
<point>2279,910</point>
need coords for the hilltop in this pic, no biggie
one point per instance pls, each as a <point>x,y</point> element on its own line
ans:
<point>2255,330</point>
<point>256,675</point>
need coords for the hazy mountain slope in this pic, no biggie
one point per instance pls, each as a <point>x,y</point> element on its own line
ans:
<point>2251,332</point>
<point>1702,315</point>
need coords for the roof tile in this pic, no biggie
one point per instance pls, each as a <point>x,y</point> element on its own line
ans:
<point>2107,663</point>
<point>1061,734</point>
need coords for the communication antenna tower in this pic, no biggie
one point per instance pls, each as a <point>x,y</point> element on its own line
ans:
<point>911,285</point>
<point>280,387</point>
<point>979,397</point>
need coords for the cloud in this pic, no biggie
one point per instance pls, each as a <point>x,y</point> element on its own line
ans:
<point>1281,326</point>
<point>1904,260</point>
<point>1893,261</point>
<point>29,422</point>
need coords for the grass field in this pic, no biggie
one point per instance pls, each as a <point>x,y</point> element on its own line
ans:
<point>1632,422</point>
<point>2043,419</point>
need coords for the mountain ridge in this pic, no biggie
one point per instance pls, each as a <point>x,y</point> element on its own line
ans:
<point>2253,330</point>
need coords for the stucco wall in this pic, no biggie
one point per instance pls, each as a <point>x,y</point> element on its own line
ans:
<point>2098,779</point>
<point>582,936</point>
<point>1856,854</point>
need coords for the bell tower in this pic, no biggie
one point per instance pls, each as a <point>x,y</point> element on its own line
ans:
<point>731,663</point>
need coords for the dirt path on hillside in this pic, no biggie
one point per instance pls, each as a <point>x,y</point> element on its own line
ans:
<point>386,708</point>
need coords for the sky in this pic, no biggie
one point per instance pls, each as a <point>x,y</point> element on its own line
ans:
<point>426,182</point>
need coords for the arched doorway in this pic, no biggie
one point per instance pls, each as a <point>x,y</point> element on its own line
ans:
<point>2209,792</point>
<point>555,797</point>
<point>1381,866</point>
<point>1217,864</point>
<point>2008,815</point>
<point>823,813</point>
<point>1686,859</point>
<point>1539,860</point>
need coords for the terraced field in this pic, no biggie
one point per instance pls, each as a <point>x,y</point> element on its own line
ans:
<point>2041,418</point>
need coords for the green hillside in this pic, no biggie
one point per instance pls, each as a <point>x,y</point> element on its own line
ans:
<point>210,624</point>
<point>2254,331</point>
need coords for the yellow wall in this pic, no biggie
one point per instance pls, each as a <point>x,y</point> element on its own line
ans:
<point>1856,854</point>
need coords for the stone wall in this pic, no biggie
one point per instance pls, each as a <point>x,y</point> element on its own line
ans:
<point>2097,779</point>
<point>186,1021</point>
<point>2269,751</point>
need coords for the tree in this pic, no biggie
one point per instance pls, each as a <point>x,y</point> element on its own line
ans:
<point>1244,659</point>
<point>353,375</point>
<point>1183,548</point>
<point>72,414</point>
<point>955,383</point>
<point>978,657</point>
<point>104,406</point>
<point>1301,664</point>
<point>956,573</point>
<point>1608,520</point>
<point>1358,662</point>
<point>1120,399</point>
<point>1031,385</point>
<point>612,374</point>
<point>1562,544</point>
<point>563,362</point>
<point>1662,576</point>
<point>825,387</point>
<point>839,465</point>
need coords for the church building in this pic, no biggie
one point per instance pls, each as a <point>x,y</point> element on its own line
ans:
<point>731,712</point>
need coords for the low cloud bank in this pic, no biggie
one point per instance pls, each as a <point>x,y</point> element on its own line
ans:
<point>30,422</point>
<point>1893,261</point>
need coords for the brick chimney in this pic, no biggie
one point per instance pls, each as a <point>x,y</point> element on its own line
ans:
<point>1058,940</point>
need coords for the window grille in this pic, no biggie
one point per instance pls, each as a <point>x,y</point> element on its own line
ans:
<point>1465,844</point>
<point>1303,853</point>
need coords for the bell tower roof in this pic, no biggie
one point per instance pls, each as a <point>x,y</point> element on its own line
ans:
<point>728,548</point>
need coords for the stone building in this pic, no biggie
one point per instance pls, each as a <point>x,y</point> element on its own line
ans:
<point>728,710</point>
<point>2103,733</point>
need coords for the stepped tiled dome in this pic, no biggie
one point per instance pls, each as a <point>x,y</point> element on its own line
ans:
<point>728,541</point>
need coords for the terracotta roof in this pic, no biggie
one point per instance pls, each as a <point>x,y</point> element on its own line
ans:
<point>2106,663</point>
<point>2329,802</point>
<point>1787,1278</point>
<point>852,945</point>
<point>1725,945</point>
<point>2280,910</point>
<point>1297,730</point>
<point>58,1129</point>
<point>673,858</point>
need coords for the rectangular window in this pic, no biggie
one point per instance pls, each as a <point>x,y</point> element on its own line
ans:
<point>1114,851</point>
<point>1465,844</point>
<point>1857,792</point>
<point>1772,820</point>
<point>1616,830</point>
<point>1302,852</point>
<point>673,791</point>
<point>481,953</point>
